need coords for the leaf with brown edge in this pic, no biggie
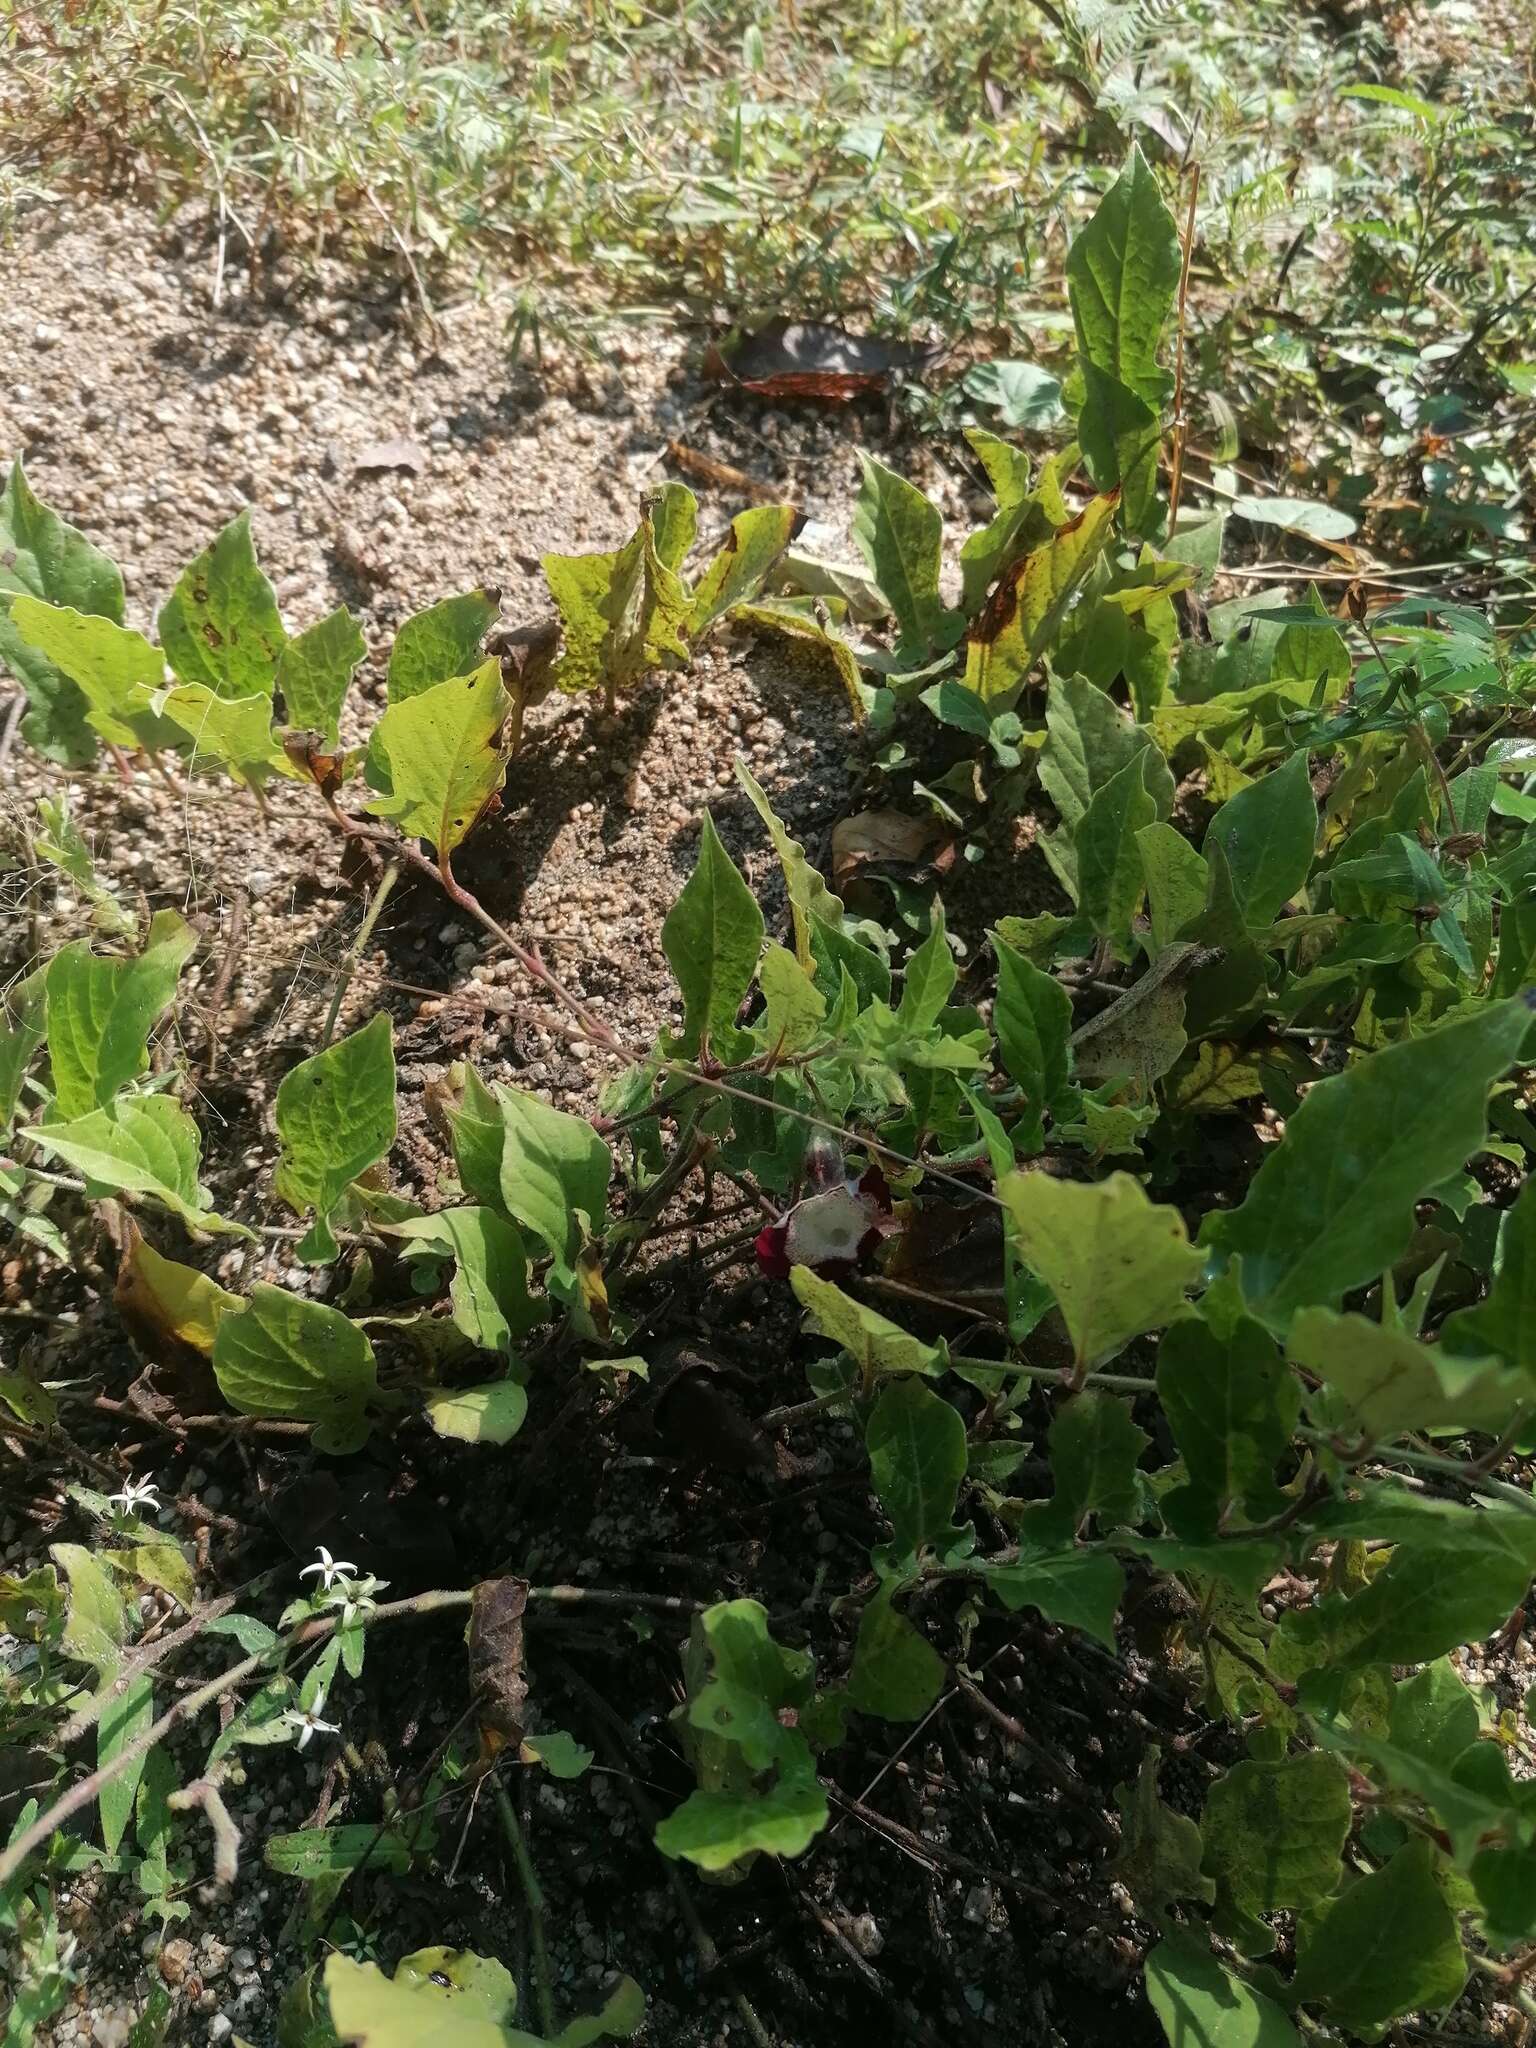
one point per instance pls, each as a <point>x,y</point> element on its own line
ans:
<point>1024,611</point>
<point>171,1313</point>
<point>496,1676</point>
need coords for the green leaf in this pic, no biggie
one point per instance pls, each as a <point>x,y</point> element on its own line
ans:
<point>313,1853</point>
<point>554,1172</point>
<point>1232,1405</point>
<point>558,1751</point>
<point>489,1289</point>
<point>620,613</point>
<point>1160,1850</point>
<point>876,1345</point>
<point>1020,619</point>
<point>1505,1322</point>
<point>316,671</point>
<point>1299,515</point>
<point>717,1829</point>
<point>712,936</point>
<point>1117,1263</point>
<point>101,1012</point>
<point>1268,832</point>
<point>810,900</point>
<point>1140,1036</point>
<point>1089,741</point>
<point>917,1457</point>
<point>437,759</point>
<point>23,1027</point>
<point>901,536</point>
<point>1120,431</point>
<point>1431,1596</point>
<point>1331,1207</point>
<point>929,980</point>
<point>1393,1383</point>
<point>1019,519</point>
<point>220,626</point>
<point>1122,274</point>
<point>1434,1716</point>
<point>335,1119</point>
<point>115,671</point>
<point>746,1698</point>
<point>440,1999</point>
<point>1275,1832</point>
<point>1032,1017</point>
<point>1095,1449</point>
<point>738,572</point>
<point>41,556</point>
<point>130,1713</point>
<point>440,643</point>
<point>234,732</point>
<point>897,1675</point>
<point>489,1414</point>
<point>1109,871</point>
<point>1387,1945</point>
<point>793,1006</point>
<point>143,1146</point>
<point>1021,394</point>
<point>1203,2004</point>
<point>288,1356</point>
<point>96,1620</point>
<point>1075,1588</point>
<point>1178,881</point>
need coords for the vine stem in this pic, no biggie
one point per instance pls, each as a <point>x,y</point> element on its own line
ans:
<point>317,1629</point>
<point>533,1897</point>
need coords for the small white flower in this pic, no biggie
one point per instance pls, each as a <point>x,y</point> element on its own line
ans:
<point>136,1494</point>
<point>308,1722</point>
<point>330,1568</point>
<point>355,1597</point>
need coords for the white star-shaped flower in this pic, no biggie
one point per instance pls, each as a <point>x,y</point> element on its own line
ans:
<point>355,1597</point>
<point>308,1722</point>
<point>330,1568</point>
<point>136,1494</point>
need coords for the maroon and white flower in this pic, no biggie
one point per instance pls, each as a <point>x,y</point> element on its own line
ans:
<point>835,1224</point>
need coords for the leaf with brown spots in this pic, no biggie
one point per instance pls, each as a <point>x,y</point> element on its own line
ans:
<point>1030,602</point>
<point>220,625</point>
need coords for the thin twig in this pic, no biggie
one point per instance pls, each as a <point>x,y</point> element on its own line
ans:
<point>387,882</point>
<point>238,903</point>
<point>1180,422</point>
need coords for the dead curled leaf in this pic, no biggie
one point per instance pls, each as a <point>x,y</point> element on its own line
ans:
<point>810,359</point>
<point>886,839</point>
<point>496,1676</point>
<point>720,476</point>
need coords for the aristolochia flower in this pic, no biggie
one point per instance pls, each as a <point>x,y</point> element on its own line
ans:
<point>308,1722</point>
<point>136,1494</point>
<point>834,1225</point>
<point>330,1568</point>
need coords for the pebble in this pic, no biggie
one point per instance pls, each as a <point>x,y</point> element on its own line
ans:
<point>259,881</point>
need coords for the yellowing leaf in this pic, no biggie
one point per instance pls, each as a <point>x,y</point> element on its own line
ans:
<point>220,625</point>
<point>1117,1263</point>
<point>116,670</point>
<point>1030,602</point>
<point>437,759</point>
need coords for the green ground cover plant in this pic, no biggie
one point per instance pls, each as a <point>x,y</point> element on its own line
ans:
<point>1299,860</point>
